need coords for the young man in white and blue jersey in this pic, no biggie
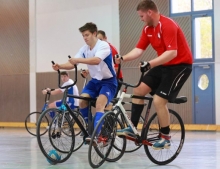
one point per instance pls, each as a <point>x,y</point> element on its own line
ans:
<point>97,55</point>
<point>72,102</point>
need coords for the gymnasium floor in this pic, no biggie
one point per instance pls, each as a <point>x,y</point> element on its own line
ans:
<point>19,150</point>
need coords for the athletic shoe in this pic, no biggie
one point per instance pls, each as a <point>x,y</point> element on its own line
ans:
<point>126,132</point>
<point>88,139</point>
<point>161,144</point>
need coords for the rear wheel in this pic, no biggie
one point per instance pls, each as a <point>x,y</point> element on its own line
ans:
<point>31,123</point>
<point>152,134</point>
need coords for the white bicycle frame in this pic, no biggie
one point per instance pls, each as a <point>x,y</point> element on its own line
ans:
<point>127,118</point>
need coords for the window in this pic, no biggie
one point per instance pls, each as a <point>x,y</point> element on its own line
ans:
<point>179,6</point>
<point>199,5</point>
<point>203,37</point>
<point>184,6</point>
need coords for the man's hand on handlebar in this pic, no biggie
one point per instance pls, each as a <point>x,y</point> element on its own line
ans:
<point>73,61</point>
<point>118,59</point>
<point>144,66</point>
<point>47,90</point>
<point>56,66</point>
<point>84,73</point>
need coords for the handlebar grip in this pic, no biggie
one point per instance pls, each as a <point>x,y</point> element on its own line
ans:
<point>54,64</point>
<point>81,73</point>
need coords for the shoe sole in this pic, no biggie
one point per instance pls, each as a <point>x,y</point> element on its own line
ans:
<point>94,144</point>
<point>160,148</point>
<point>126,134</point>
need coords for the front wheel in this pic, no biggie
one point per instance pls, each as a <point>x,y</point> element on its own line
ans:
<point>152,134</point>
<point>60,136</point>
<point>102,140</point>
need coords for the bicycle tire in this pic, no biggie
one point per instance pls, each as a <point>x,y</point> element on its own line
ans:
<point>177,133</point>
<point>55,139</point>
<point>78,137</point>
<point>131,146</point>
<point>119,146</point>
<point>31,123</point>
<point>105,141</point>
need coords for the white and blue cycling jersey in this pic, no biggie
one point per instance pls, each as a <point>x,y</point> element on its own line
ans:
<point>72,91</point>
<point>105,69</point>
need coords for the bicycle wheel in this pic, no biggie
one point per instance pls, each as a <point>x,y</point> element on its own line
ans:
<point>131,146</point>
<point>119,145</point>
<point>56,139</point>
<point>177,133</point>
<point>78,133</point>
<point>102,140</point>
<point>31,123</point>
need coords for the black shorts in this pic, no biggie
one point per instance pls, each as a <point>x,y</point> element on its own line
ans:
<point>166,81</point>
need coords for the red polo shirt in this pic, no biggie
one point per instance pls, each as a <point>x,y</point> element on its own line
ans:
<point>167,35</point>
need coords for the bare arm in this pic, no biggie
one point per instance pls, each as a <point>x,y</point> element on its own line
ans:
<point>164,58</point>
<point>56,91</point>
<point>88,61</point>
<point>66,66</point>
<point>134,54</point>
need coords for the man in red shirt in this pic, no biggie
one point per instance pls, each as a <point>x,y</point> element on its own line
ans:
<point>102,36</point>
<point>166,74</point>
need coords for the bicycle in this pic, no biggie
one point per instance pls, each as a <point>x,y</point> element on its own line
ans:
<point>150,130</point>
<point>141,120</point>
<point>61,136</point>
<point>31,119</point>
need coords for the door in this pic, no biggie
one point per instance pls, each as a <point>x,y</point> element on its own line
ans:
<point>204,110</point>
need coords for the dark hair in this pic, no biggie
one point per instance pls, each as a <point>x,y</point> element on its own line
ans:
<point>145,5</point>
<point>64,73</point>
<point>88,26</point>
<point>102,33</point>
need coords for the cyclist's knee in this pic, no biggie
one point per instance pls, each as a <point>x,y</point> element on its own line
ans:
<point>52,105</point>
<point>100,107</point>
<point>141,90</point>
<point>83,103</point>
<point>159,101</point>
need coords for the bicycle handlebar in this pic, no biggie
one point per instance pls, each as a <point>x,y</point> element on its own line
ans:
<point>127,84</point>
<point>75,80</point>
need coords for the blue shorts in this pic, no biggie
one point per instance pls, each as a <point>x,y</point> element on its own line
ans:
<point>59,103</point>
<point>107,87</point>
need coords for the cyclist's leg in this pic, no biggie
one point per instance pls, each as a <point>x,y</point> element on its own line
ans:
<point>172,80</point>
<point>107,90</point>
<point>55,104</point>
<point>136,108</point>
<point>88,91</point>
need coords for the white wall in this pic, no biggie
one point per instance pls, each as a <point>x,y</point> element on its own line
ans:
<point>57,24</point>
<point>217,58</point>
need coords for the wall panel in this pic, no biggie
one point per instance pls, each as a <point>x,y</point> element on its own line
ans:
<point>14,60</point>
